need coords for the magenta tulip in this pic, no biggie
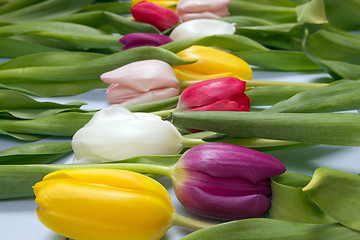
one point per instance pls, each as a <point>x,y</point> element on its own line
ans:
<point>225,181</point>
<point>156,15</point>
<point>220,94</point>
<point>133,40</point>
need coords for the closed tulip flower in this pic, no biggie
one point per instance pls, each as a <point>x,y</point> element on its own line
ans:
<point>200,9</point>
<point>211,63</point>
<point>153,14</point>
<point>106,204</point>
<point>133,40</point>
<point>115,133</point>
<point>225,181</point>
<point>140,82</point>
<point>221,94</point>
<point>201,28</point>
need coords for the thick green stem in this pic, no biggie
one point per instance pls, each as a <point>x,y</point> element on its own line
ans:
<point>261,83</point>
<point>165,113</point>
<point>186,222</point>
<point>192,142</point>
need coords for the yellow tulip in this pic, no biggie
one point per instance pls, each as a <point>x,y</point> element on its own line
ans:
<point>169,4</point>
<point>211,63</point>
<point>103,204</point>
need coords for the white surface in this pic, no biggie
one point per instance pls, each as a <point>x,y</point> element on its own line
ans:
<point>18,219</point>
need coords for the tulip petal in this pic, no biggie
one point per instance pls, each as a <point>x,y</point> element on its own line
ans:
<point>144,39</point>
<point>201,28</point>
<point>199,9</point>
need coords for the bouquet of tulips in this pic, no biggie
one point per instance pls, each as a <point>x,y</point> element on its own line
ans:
<point>182,104</point>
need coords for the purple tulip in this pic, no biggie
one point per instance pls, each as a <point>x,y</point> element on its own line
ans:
<point>225,181</point>
<point>133,40</point>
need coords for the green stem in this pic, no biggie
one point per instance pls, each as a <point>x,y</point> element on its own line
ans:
<point>191,142</point>
<point>186,222</point>
<point>165,113</point>
<point>261,83</point>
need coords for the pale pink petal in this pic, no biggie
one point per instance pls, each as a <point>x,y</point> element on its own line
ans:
<point>153,95</point>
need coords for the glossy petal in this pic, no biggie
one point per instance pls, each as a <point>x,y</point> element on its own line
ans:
<point>211,63</point>
<point>201,28</point>
<point>114,133</point>
<point>155,15</point>
<point>225,181</point>
<point>88,204</point>
<point>221,94</point>
<point>169,4</point>
<point>140,82</point>
<point>200,9</point>
<point>133,40</point>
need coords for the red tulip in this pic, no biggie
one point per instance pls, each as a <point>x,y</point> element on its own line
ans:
<point>155,15</point>
<point>220,94</point>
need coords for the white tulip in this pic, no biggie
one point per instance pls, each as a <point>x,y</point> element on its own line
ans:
<point>202,28</point>
<point>115,133</point>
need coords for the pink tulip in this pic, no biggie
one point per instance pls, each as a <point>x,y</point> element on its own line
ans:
<point>156,15</point>
<point>200,9</point>
<point>133,40</point>
<point>225,181</point>
<point>220,94</point>
<point>140,82</point>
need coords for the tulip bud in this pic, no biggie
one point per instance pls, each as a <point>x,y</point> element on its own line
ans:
<point>221,94</point>
<point>86,204</point>
<point>200,9</point>
<point>115,133</point>
<point>140,82</point>
<point>133,40</point>
<point>155,15</point>
<point>201,28</point>
<point>225,181</point>
<point>211,63</point>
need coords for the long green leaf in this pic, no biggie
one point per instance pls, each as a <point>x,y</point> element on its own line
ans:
<point>35,153</point>
<point>339,96</point>
<point>17,180</point>
<point>290,203</point>
<point>319,128</point>
<point>45,10</point>
<point>337,193</point>
<point>270,229</point>
<point>279,60</point>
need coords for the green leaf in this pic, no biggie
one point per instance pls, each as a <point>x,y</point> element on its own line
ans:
<point>343,14</point>
<point>270,229</point>
<point>11,48</point>
<point>22,106</point>
<point>35,153</point>
<point>290,203</point>
<point>312,12</point>
<point>269,95</point>
<point>337,193</point>
<point>62,124</point>
<point>337,52</point>
<point>50,59</point>
<point>278,60</point>
<point>17,180</point>
<point>155,105</point>
<point>338,96</point>
<point>114,7</point>
<point>11,6</point>
<point>233,43</point>
<point>44,10</point>
<point>318,128</point>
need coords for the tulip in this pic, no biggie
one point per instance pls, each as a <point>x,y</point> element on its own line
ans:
<point>211,63</point>
<point>140,82</point>
<point>200,9</point>
<point>225,181</point>
<point>155,15</point>
<point>106,204</point>
<point>169,4</point>
<point>133,40</point>
<point>201,28</point>
<point>114,133</point>
<point>221,94</point>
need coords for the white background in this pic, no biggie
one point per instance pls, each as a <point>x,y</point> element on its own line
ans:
<point>18,219</point>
